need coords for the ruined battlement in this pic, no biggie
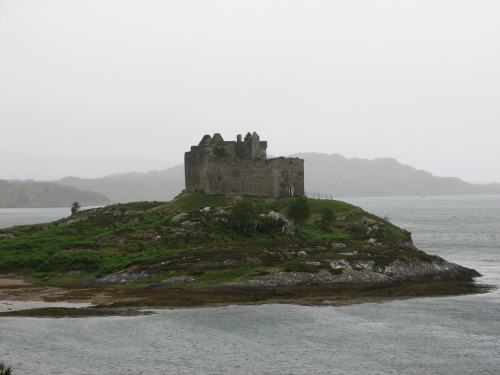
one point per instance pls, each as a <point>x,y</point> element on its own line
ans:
<point>241,167</point>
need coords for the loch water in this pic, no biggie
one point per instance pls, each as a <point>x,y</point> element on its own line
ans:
<point>438,335</point>
<point>24,216</point>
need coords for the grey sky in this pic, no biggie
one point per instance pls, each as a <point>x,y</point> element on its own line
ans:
<point>415,80</point>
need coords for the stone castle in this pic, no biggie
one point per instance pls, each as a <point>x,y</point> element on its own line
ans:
<point>241,167</point>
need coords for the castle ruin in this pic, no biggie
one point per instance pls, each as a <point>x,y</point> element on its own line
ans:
<point>241,167</point>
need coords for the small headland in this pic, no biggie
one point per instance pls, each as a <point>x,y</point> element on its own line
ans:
<point>207,250</point>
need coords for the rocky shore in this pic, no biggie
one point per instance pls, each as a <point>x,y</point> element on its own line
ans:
<point>349,272</point>
<point>408,280</point>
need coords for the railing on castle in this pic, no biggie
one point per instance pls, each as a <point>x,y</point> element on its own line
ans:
<point>322,196</point>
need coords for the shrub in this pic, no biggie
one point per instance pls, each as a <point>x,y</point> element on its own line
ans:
<point>75,207</point>
<point>327,216</point>
<point>268,225</point>
<point>299,210</point>
<point>245,215</point>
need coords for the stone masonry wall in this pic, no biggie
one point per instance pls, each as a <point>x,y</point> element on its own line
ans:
<point>231,168</point>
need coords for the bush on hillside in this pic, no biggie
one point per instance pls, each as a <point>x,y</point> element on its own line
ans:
<point>299,210</point>
<point>244,216</point>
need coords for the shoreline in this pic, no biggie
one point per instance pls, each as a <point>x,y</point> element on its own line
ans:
<point>59,302</point>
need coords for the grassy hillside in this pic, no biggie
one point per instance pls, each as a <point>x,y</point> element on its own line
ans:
<point>46,194</point>
<point>199,236</point>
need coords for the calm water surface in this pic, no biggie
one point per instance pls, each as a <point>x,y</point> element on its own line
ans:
<point>21,216</point>
<point>452,335</point>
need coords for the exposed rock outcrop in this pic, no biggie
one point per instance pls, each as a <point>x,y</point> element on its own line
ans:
<point>343,271</point>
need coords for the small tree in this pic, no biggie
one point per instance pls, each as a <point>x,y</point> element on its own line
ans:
<point>75,207</point>
<point>299,210</point>
<point>245,216</point>
<point>327,216</point>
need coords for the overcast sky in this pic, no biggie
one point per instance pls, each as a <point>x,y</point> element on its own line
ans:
<point>133,84</point>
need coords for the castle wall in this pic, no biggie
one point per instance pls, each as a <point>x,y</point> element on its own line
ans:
<point>241,168</point>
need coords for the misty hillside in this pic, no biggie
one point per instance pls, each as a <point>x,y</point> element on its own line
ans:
<point>127,187</point>
<point>342,177</point>
<point>325,174</point>
<point>46,194</point>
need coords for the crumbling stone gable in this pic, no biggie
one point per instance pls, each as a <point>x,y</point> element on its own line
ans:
<point>241,167</point>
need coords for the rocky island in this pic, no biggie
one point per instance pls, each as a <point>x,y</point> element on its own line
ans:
<point>242,233</point>
<point>203,249</point>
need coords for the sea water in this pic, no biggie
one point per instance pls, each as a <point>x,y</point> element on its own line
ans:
<point>23,216</point>
<point>439,335</point>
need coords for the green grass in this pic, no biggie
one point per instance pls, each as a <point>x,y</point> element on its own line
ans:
<point>195,201</point>
<point>105,240</point>
<point>55,279</point>
<point>224,275</point>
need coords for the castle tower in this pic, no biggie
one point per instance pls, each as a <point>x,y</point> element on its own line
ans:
<point>241,167</point>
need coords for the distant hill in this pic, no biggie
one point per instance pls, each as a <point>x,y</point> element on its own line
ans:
<point>342,177</point>
<point>129,187</point>
<point>325,174</point>
<point>46,194</point>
